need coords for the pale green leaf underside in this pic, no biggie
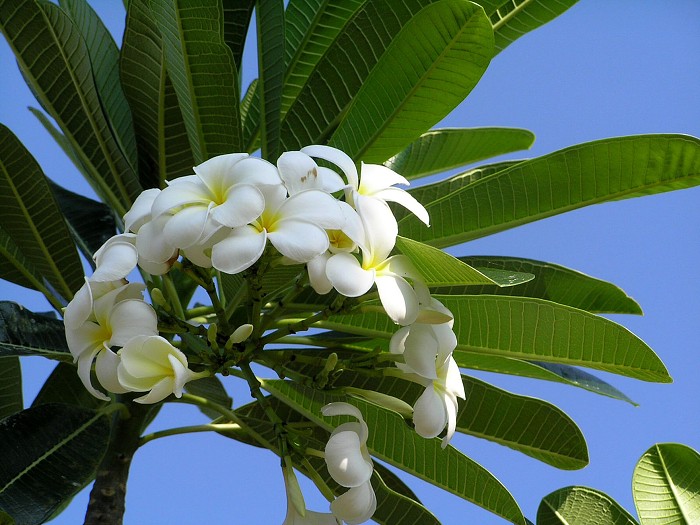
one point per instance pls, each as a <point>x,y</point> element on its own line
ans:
<point>666,485</point>
<point>575,177</point>
<point>448,469</point>
<point>431,65</point>
<point>447,148</point>
<point>581,506</point>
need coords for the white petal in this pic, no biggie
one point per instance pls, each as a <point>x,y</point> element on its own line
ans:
<point>381,229</point>
<point>254,170</point>
<point>79,308</point>
<point>131,318</point>
<point>337,157</point>
<point>421,348</point>
<point>453,380</point>
<point>406,200</point>
<point>160,391</point>
<point>400,265</point>
<point>239,250</point>
<point>184,191</point>
<point>347,276</point>
<point>398,298</point>
<point>353,226</point>
<point>84,369</point>
<point>429,413</point>
<point>314,206</point>
<point>340,408</point>
<point>298,171</point>
<point>375,177</point>
<point>244,203</point>
<point>451,409</point>
<point>186,227</point>
<point>317,274</point>
<point>115,259</point>
<point>85,339</point>
<point>140,211</point>
<point>151,243</point>
<point>213,172</point>
<point>299,241</point>
<point>330,180</point>
<point>344,459</point>
<point>357,505</point>
<point>447,342</point>
<point>106,370</point>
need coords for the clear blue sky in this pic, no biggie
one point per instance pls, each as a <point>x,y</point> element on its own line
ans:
<point>603,69</point>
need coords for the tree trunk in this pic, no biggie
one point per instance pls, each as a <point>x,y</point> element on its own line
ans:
<point>106,505</point>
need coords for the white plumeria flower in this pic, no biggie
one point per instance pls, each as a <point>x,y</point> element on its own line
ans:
<point>223,193</point>
<point>80,309</point>
<point>296,226</point>
<point>118,256</point>
<point>150,363</point>
<point>350,465</point>
<point>352,278</point>
<point>140,212</point>
<point>297,513</point>
<point>114,319</point>
<point>377,181</point>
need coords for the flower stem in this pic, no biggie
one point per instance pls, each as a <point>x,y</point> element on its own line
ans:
<point>210,427</point>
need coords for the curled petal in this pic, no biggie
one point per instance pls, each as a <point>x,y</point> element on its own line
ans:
<point>85,367</point>
<point>186,227</point>
<point>116,258</point>
<point>140,212</point>
<point>106,370</point>
<point>298,240</point>
<point>152,245</point>
<point>381,230</point>
<point>315,207</point>
<point>255,171</point>
<point>453,379</point>
<point>213,172</point>
<point>330,180</point>
<point>421,349</point>
<point>429,413</point>
<point>451,410</point>
<point>357,505</point>
<point>239,250</point>
<point>80,308</point>
<point>337,157</point>
<point>244,203</point>
<point>299,172</point>
<point>317,274</point>
<point>376,177</point>
<point>185,191</point>
<point>353,226</point>
<point>345,461</point>
<point>130,318</point>
<point>406,200</point>
<point>347,276</point>
<point>398,298</point>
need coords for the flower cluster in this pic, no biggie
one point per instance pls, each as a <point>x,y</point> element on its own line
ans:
<point>231,212</point>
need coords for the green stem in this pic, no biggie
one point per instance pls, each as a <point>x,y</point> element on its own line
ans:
<point>210,427</point>
<point>173,296</point>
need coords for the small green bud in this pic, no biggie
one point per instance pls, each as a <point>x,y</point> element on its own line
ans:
<point>159,299</point>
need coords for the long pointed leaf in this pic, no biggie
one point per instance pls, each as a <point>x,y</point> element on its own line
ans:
<point>392,441</point>
<point>429,68</point>
<point>578,176</point>
<point>581,506</point>
<point>666,485</point>
<point>11,400</point>
<point>237,15</point>
<point>49,452</point>
<point>270,21</point>
<point>552,282</point>
<point>62,80</point>
<point>27,333</point>
<point>104,57</point>
<point>447,148</point>
<point>30,216</point>
<point>202,70</point>
<point>163,147</point>
<point>64,386</point>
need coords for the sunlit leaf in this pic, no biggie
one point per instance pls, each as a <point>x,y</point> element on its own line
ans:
<point>666,485</point>
<point>575,177</point>
<point>581,506</point>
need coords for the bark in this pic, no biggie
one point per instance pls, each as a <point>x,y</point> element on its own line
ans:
<point>106,505</point>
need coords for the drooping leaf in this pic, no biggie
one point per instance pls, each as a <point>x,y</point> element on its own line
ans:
<point>552,282</point>
<point>30,216</point>
<point>163,147</point>
<point>49,452</point>
<point>91,222</point>
<point>104,57</point>
<point>666,485</point>
<point>430,67</point>
<point>440,269</point>
<point>529,329</point>
<point>64,386</point>
<point>571,178</point>
<point>210,388</point>
<point>271,68</point>
<point>11,400</point>
<point>202,70</point>
<point>581,506</point>
<point>511,19</point>
<point>27,333</point>
<point>447,148</point>
<point>446,468</point>
<point>53,59</point>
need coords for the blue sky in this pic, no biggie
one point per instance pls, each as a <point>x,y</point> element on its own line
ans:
<point>603,69</point>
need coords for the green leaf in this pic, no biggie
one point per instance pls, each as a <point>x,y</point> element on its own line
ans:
<point>440,269</point>
<point>30,216</point>
<point>237,15</point>
<point>27,333</point>
<point>581,506</point>
<point>552,282</point>
<point>17,268</point>
<point>392,441</point>
<point>51,54</point>
<point>11,400</point>
<point>443,149</point>
<point>270,22</point>
<point>361,39</point>
<point>202,70</point>
<point>163,147</point>
<point>511,19</point>
<point>430,67</point>
<point>578,176</point>
<point>104,57</point>
<point>49,453</point>
<point>6,519</point>
<point>90,222</point>
<point>64,386</point>
<point>210,388</point>
<point>666,485</point>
